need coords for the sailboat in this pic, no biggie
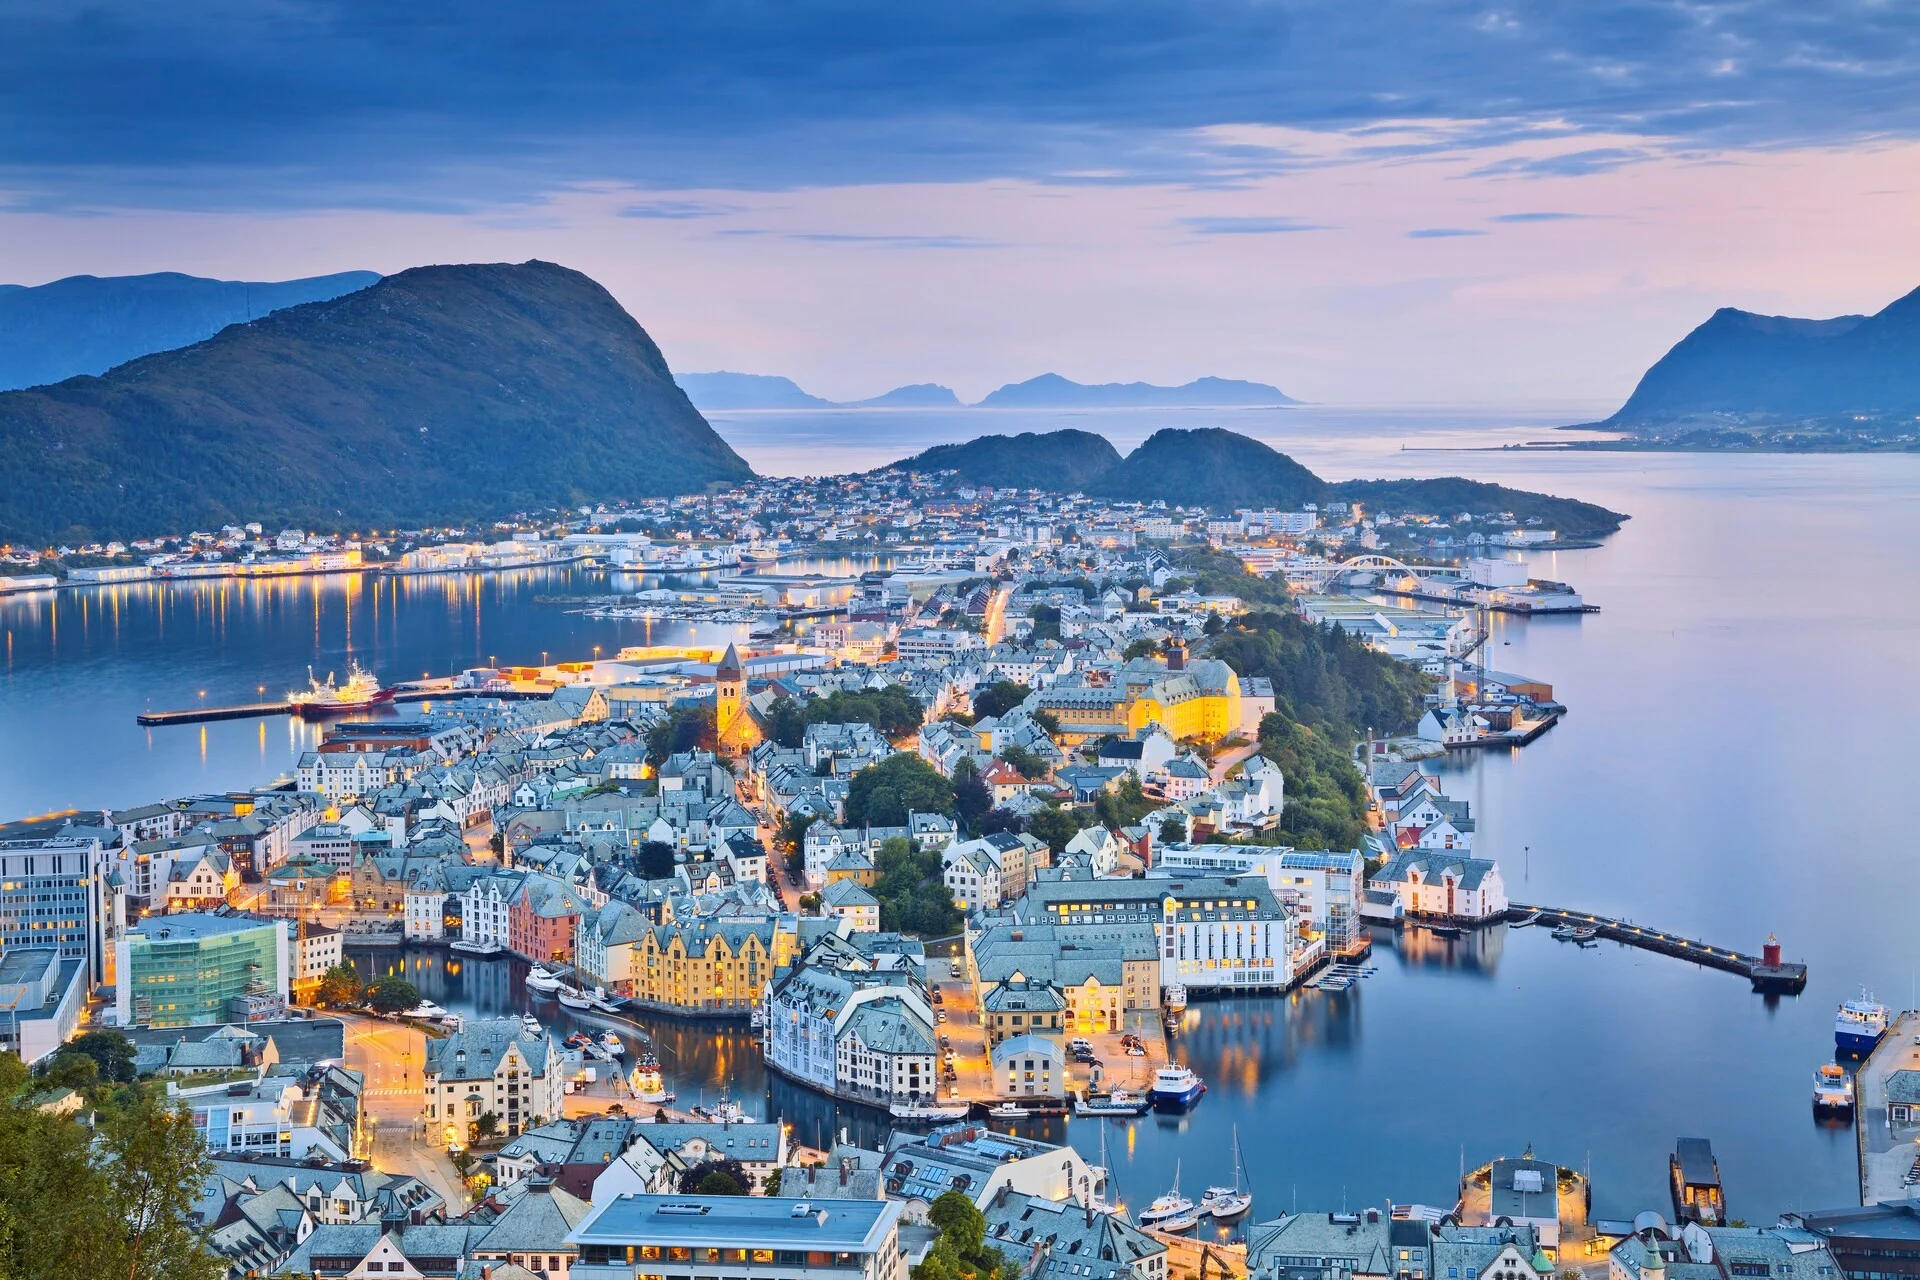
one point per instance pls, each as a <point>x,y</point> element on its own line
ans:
<point>1099,1201</point>
<point>1228,1204</point>
<point>1171,1212</point>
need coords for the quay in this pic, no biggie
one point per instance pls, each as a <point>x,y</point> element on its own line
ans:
<point>1518,736</point>
<point>1767,972</point>
<point>251,710</point>
<point>1885,1115</point>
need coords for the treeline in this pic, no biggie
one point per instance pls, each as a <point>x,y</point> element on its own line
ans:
<point>892,711</point>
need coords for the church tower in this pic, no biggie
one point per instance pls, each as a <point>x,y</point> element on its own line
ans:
<point>731,723</point>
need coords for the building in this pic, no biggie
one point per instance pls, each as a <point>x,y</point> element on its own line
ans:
<point>733,721</point>
<point>848,900</point>
<point>42,995</point>
<point>1444,884</point>
<point>1020,1006</point>
<point>53,892</point>
<point>1090,1246</point>
<point>533,1232</point>
<point>713,1237</point>
<point>1871,1242</point>
<point>1322,1246</point>
<point>316,949</point>
<point>1198,699</point>
<point>716,966</point>
<point>977,1162</point>
<point>182,970</point>
<point>311,1112</point>
<point>491,1067</point>
<point>1029,1066</point>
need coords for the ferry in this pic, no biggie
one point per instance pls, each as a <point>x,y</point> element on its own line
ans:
<point>927,1113</point>
<point>1860,1025</point>
<point>538,979</point>
<point>1175,1087</point>
<point>466,947</point>
<point>362,690</point>
<point>1120,1102</point>
<point>1832,1091</point>
<point>1171,1212</point>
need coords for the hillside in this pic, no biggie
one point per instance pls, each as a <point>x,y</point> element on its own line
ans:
<point>917,395</point>
<point>89,324</point>
<point>1062,461</point>
<point>439,395</point>
<point>1212,468</point>
<point>724,390</point>
<point>1741,368</point>
<point>1051,391</point>
<point>1451,495</point>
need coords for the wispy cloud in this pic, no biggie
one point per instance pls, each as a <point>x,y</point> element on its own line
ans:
<point>677,210</point>
<point>880,241</point>
<point>1442,233</point>
<point>1572,164</point>
<point>1226,226</point>
<point>1544,216</point>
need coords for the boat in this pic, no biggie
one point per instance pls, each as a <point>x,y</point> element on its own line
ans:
<point>1008,1111</point>
<point>531,1025</point>
<point>758,1019</point>
<point>1171,1212</point>
<point>427,1011</point>
<point>538,979</point>
<point>600,1000</point>
<point>1832,1090</point>
<point>927,1113</point>
<point>317,700</point>
<point>579,1040</point>
<point>1228,1204</point>
<point>611,1043</point>
<point>1120,1102</point>
<point>595,1050</point>
<point>646,1080</point>
<point>467,947</point>
<point>573,997</point>
<point>1175,998</point>
<point>1175,1087</point>
<point>1859,1025</point>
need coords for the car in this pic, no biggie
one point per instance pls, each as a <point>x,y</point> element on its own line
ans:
<point>1136,1051</point>
<point>939,1015</point>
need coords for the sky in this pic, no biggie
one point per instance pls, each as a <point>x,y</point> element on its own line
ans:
<point>1396,201</point>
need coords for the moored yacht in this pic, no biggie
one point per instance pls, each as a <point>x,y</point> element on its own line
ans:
<point>1172,1211</point>
<point>539,979</point>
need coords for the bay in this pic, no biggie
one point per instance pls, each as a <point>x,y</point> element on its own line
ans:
<point>1733,766</point>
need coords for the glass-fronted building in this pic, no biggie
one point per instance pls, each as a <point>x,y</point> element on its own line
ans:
<point>179,970</point>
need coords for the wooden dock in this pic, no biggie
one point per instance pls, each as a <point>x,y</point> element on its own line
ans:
<point>1791,978</point>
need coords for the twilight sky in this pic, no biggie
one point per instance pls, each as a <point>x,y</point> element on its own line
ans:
<point>1422,201</point>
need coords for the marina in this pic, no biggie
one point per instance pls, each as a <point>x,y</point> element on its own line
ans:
<point>1767,971</point>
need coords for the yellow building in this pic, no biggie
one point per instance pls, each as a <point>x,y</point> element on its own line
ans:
<point>1190,700</point>
<point>733,723</point>
<point>706,966</point>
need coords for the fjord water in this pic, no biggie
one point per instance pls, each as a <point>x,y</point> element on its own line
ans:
<point>1736,763</point>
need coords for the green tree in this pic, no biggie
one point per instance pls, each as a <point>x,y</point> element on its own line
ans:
<point>893,712</point>
<point>683,729</point>
<point>1215,624</point>
<point>392,995</point>
<point>999,698</point>
<point>1048,721</point>
<point>67,1070</point>
<point>1046,622</point>
<point>486,1126</point>
<point>656,859</point>
<point>111,1052</point>
<point>793,838</point>
<point>912,892</point>
<point>1142,648</point>
<point>339,985</point>
<point>1031,766</point>
<point>1172,831</point>
<point>810,902</point>
<point>881,795</point>
<point>972,797</point>
<point>723,1177</point>
<point>959,1220</point>
<point>1054,825</point>
<point>154,1167</point>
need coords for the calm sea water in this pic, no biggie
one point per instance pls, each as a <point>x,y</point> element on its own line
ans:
<point>1735,764</point>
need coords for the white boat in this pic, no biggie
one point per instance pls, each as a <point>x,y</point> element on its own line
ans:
<point>1008,1111</point>
<point>927,1113</point>
<point>427,1011</point>
<point>531,1025</point>
<point>1859,1025</point>
<point>573,997</point>
<point>1175,998</point>
<point>538,979</point>
<point>759,1019</point>
<point>1175,1086</point>
<point>1120,1102</point>
<point>469,948</point>
<point>1228,1204</point>
<point>611,1043</point>
<point>1172,1211</point>
<point>646,1080</point>
<point>1832,1090</point>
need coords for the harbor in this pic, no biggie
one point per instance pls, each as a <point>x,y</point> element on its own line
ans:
<point>1767,971</point>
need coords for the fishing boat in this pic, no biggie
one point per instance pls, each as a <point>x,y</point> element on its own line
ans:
<point>573,997</point>
<point>468,947</point>
<point>1008,1111</point>
<point>927,1113</point>
<point>1175,1087</point>
<point>1175,998</point>
<point>646,1080</point>
<point>1832,1091</point>
<point>1120,1102</point>
<point>1859,1025</point>
<point>539,979</point>
<point>1228,1204</point>
<point>317,700</point>
<point>579,1040</point>
<point>611,1043</point>
<point>1171,1212</point>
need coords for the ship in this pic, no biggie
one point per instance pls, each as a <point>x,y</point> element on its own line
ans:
<point>362,690</point>
<point>1859,1025</point>
<point>1175,1087</point>
<point>1832,1091</point>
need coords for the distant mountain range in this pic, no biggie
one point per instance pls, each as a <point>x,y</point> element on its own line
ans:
<point>438,395</point>
<point>89,324</point>
<point>1223,470</point>
<point>722,390</point>
<point>1741,370</point>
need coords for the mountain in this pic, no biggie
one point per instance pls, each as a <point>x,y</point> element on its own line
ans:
<point>917,395</point>
<point>1051,391</point>
<point>724,390</point>
<point>1061,461</point>
<point>1212,468</point>
<point>439,395</point>
<point>1745,367</point>
<point>1223,470</point>
<point>89,324</point>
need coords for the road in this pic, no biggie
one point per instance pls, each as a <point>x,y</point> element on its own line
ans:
<point>392,1058</point>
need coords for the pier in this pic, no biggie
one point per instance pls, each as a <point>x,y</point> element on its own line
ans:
<point>1767,973</point>
<point>251,710</point>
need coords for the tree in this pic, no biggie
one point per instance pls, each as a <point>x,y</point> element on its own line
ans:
<point>67,1070</point>
<point>339,985</point>
<point>997,820</point>
<point>656,859</point>
<point>1215,624</point>
<point>722,1177</point>
<point>999,698</point>
<point>1046,622</point>
<point>1048,721</point>
<point>683,729</point>
<point>110,1051</point>
<point>1142,648</point>
<point>154,1168</point>
<point>912,891</point>
<point>893,712</point>
<point>882,795</point>
<point>1172,831</point>
<point>972,797</point>
<point>486,1126</point>
<point>793,838</point>
<point>392,995</point>
<point>959,1220</point>
<point>1054,825</point>
<point>1031,766</point>
<point>810,902</point>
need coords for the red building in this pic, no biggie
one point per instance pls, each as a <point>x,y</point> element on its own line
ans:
<point>542,918</point>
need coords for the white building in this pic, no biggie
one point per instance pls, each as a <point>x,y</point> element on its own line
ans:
<point>491,1067</point>
<point>1445,884</point>
<point>852,1240</point>
<point>485,906</point>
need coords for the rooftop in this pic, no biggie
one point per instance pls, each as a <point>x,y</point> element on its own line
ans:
<point>743,1222</point>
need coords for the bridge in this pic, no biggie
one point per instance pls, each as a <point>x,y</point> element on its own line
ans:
<point>1322,575</point>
